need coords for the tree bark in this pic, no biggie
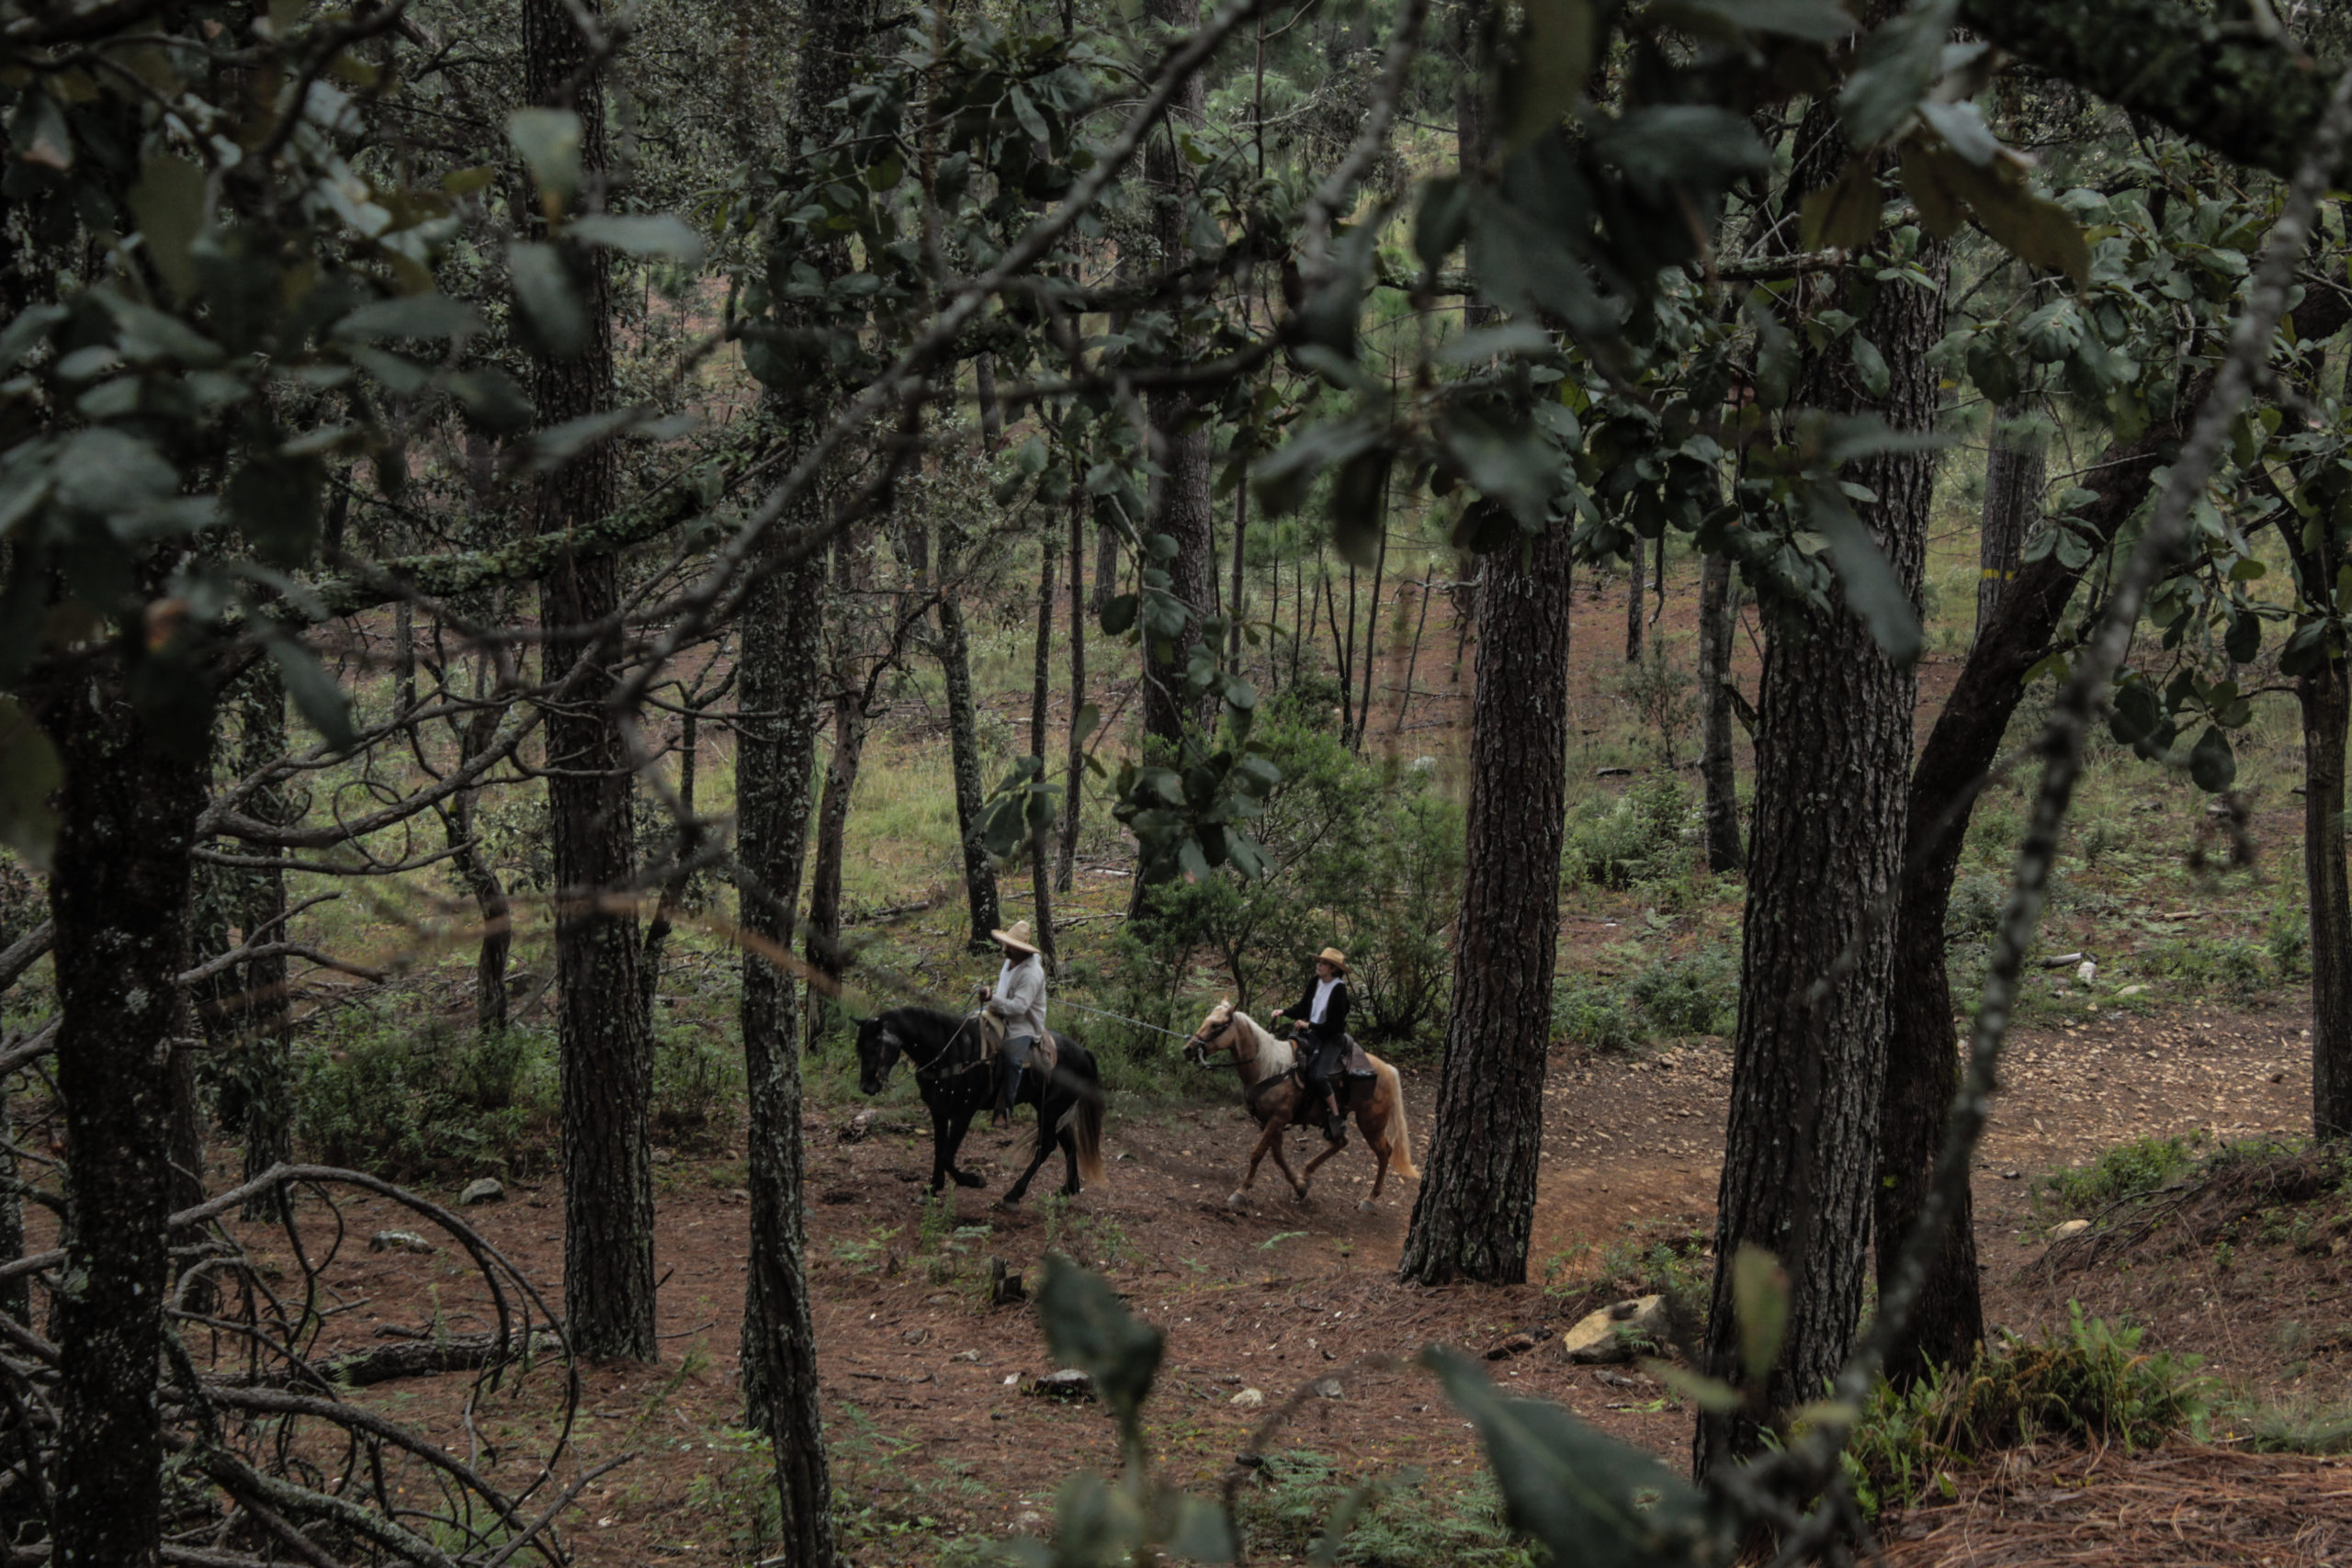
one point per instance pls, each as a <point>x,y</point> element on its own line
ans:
<point>822,942</point>
<point>2016,470</point>
<point>119,891</point>
<point>964,757</point>
<point>265,1039</point>
<point>1922,1062</point>
<point>482,880</point>
<point>2326,696</point>
<point>1633,606</point>
<point>1074,774</point>
<point>1717,771</point>
<point>1476,1209</point>
<point>1182,492</point>
<point>606,1054</point>
<point>1817,963</point>
<point>1041,868</point>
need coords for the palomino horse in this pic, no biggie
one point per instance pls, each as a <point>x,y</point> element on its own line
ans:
<point>1273,1097</point>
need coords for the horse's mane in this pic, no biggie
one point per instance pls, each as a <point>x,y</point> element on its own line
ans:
<point>1275,1056</point>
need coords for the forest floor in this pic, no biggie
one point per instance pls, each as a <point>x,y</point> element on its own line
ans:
<point>936,1440</point>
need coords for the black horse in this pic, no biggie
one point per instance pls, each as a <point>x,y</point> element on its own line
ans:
<point>958,1083</point>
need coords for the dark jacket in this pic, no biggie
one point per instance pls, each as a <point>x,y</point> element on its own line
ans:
<point>1322,1041</point>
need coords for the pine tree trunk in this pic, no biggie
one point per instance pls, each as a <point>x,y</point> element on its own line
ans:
<point>2016,470</point>
<point>606,1056</point>
<point>1075,773</point>
<point>482,880</point>
<point>1818,955</point>
<point>118,890</point>
<point>2325,696</point>
<point>1716,768</point>
<point>1476,1208</point>
<point>1180,499</point>
<point>1041,869</point>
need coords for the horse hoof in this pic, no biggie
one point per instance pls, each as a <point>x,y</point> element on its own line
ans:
<point>1367,1206</point>
<point>1236,1201</point>
<point>966,1179</point>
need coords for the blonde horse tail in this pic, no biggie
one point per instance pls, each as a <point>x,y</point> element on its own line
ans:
<point>1400,1135</point>
<point>1090,1137</point>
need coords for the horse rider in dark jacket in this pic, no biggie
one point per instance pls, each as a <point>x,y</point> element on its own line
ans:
<point>1321,1017</point>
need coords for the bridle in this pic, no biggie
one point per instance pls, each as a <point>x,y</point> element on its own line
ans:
<point>1202,1044</point>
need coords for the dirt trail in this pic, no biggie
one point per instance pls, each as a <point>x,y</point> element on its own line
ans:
<point>922,1382</point>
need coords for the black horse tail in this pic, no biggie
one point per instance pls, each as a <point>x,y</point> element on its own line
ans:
<point>1083,1120</point>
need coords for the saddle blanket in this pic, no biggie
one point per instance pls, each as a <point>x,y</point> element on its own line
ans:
<point>1043,1053</point>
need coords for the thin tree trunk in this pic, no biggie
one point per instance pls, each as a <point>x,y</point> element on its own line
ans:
<point>606,1054</point>
<point>822,942</point>
<point>15,1293</point>
<point>1241,538</point>
<point>1658,580</point>
<point>1106,565</point>
<point>1076,773</point>
<point>1413,659</point>
<point>403,657</point>
<point>1818,954</point>
<point>265,1039</point>
<point>1041,869</point>
<point>963,756</point>
<point>775,752</point>
<point>2325,696</point>
<point>1476,1209</point>
<point>1715,761</point>
<point>657,930</point>
<point>2016,470</point>
<point>1633,606</point>
<point>482,880</point>
<point>1371,625</point>
<point>118,889</point>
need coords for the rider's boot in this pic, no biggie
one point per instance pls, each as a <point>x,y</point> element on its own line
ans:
<point>1008,1095</point>
<point>1335,1122</point>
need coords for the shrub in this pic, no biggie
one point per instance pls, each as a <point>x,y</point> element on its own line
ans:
<point>1403,967</point>
<point>1976,908</point>
<point>1697,993</point>
<point>1304,1500</point>
<point>2128,1169</point>
<point>1636,838</point>
<point>1591,1013</point>
<point>2091,1381</point>
<point>2230,965</point>
<point>1659,690</point>
<point>404,1102</point>
<point>695,1089</point>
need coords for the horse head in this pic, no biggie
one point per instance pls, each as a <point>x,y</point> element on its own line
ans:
<point>1218,1033</point>
<point>878,1051</point>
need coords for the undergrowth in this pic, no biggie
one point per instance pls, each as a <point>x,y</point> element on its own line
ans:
<point>2091,1381</point>
<point>1307,1503</point>
<point>2127,1170</point>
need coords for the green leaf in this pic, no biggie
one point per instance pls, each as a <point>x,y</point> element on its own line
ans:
<point>276,505</point>
<point>37,133</point>
<point>1552,55</point>
<point>640,234</point>
<point>467,182</point>
<point>1893,70</point>
<point>1942,211</point>
<point>1759,1289</point>
<point>1082,724</point>
<point>1588,1498</point>
<point>1442,221</point>
<point>316,695</point>
<point>1816,21</point>
<point>550,141</point>
<point>1844,215</point>
<point>1712,1394</point>
<point>27,330</point>
<point>2031,227</point>
<point>1872,590</point>
<point>168,204</point>
<point>1118,614</point>
<point>554,319</point>
<point>410,316</point>
<point>1871,365</point>
<point>1962,130</point>
<point>1088,1326</point>
<point>2212,763</point>
<point>2244,643</point>
<point>29,774</point>
<point>1356,497</point>
<point>1994,369</point>
<point>492,401</point>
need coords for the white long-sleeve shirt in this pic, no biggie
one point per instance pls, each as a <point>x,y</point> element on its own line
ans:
<point>1020,998</point>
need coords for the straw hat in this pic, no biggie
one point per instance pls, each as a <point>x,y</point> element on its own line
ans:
<point>1017,937</point>
<point>1334,957</point>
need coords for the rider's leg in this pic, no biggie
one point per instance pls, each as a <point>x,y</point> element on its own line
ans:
<point>1016,1057</point>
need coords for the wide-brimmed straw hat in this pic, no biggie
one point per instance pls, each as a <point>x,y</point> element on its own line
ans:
<point>1017,937</point>
<point>1334,957</point>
